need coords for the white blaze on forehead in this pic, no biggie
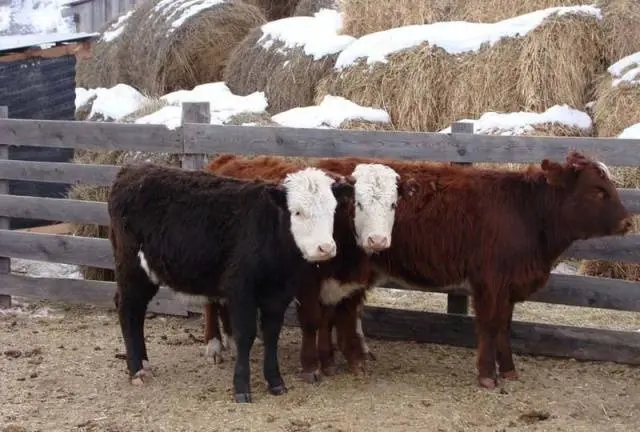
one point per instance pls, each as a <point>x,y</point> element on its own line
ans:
<point>376,192</point>
<point>312,207</point>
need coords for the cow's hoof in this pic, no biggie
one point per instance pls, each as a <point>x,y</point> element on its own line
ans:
<point>243,398</point>
<point>278,390</point>
<point>329,370</point>
<point>488,383</point>
<point>311,377</point>
<point>371,356</point>
<point>142,376</point>
<point>357,369</point>
<point>510,375</point>
<point>213,351</point>
<point>147,366</point>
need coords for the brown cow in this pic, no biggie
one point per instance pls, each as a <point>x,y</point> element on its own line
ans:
<point>500,231</point>
<point>364,228</point>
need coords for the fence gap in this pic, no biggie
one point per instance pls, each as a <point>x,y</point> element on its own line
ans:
<point>459,304</point>
<point>194,112</point>
<point>5,262</point>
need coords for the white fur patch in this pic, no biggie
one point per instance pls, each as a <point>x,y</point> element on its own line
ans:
<point>191,299</point>
<point>214,350</point>
<point>145,266</point>
<point>360,332</point>
<point>312,206</point>
<point>605,169</point>
<point>376,196</point>
<point>332,291</point>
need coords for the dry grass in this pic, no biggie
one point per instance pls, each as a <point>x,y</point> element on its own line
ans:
<point>309,7</point>
<point>426,89</point>
<point>621,24</point>
<point>368,16</point>
<point>287,75</point>
<point>275,9</point>
<point>616,108</point>
<point>68,378</point>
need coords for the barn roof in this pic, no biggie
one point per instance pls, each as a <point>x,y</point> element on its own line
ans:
<point>17,43</point>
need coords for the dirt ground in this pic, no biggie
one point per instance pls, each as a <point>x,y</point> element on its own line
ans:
<point>59,371</point>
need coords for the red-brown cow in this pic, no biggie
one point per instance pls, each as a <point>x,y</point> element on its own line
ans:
<point>363,227</point>
<point>501,231</point>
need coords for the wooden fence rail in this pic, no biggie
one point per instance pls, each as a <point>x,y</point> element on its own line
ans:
<point>196,138</point>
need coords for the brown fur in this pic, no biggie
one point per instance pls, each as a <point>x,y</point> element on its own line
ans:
<point>501,231</point>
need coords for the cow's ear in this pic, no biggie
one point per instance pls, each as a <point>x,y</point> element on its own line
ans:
<point>408,188</point>
<point>554,172</point>
<point>278,195</point>
<point>343,188</point>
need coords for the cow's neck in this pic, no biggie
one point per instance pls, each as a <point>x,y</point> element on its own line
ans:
<point>555,232</point>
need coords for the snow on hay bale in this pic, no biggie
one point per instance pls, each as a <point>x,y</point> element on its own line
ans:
<point>183,43</point>
<point>286,58</point>
<point>122,103</point>
<point>426,76</point>
<point>617,113</point>
<point>310,7</point>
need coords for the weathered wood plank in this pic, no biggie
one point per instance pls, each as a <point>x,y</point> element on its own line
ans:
<point>94,252</point>
<point>195,112</point>
<point>54,209</point>
<point>81,291</point>
<point>58,172</point>
<point>5,261</point>
<point>610,248</point>
<point>401,145</point>
<point>526,338</point>
<point>90,135</point>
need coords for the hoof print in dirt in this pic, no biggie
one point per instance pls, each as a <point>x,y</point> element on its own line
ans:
<point>13,353</point>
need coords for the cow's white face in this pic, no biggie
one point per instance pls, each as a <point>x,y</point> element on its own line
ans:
<point>312,205</point>
<point>376,197</point>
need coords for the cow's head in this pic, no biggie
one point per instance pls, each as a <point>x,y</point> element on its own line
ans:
<point>310,196</point>
<point>592,206</point>
<point>377,190</point>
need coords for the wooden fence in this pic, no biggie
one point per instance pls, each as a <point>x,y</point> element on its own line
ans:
<point>196,138</point>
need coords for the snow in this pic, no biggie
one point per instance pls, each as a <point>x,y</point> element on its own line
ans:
<point>38,39</point>
<point>190,8</point>
<point>517,123</point>
<point>116,28</point>
<point>632,132</point>
<point>317,35</point>
<point>112,103</point>
<point>630,65</point>
<point>332,112</point>
<point>455,37</point>
<point>35,16</point>
<point>223,104</point>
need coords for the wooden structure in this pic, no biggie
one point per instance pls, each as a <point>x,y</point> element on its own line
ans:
<point>91,15</point>
<point>37,76</point>
<point>194,140</point>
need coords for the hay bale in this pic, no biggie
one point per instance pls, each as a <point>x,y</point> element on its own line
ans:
<point>183,43</point>
<point>362,17</point>
<point>310,7</point>
<point>617,103</point>
<point>425,87</point>
<point>275,9</point>
<point>286,59</point>
<point>621,24</point>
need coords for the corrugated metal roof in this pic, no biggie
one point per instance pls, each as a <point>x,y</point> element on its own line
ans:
<point>21,42</point>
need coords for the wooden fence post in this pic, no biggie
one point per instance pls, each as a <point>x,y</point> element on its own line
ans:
<point>194,112</point>
<point>459,304</point>
<point>5,263</point>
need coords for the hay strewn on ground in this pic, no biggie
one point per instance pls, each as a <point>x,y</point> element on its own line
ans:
<point>425,88</point>
<point>283,70</point>
<point>275,9</point>
<point>309,7</point>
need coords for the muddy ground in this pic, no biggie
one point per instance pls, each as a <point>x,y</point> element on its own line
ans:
<point>60,371</point>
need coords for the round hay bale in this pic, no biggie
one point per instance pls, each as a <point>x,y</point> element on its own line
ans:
<point>617,104</point>
<point>362,17</point>
<point>426,88</point>
<point>183,43</point>
<point>310,7</point>
<point>286,59</point>
<point>275,9</point>
<point>621,24</point>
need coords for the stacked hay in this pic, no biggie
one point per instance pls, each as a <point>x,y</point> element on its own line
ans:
<point>275,9</point>
<point>310,7</point>
<point>617,113</point>
<point>183,43</point>
<point>426,78</point>
<point>286,59</point>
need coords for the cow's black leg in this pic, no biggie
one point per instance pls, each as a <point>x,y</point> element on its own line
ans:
<point>242,310</point>
<point>272,318</point>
